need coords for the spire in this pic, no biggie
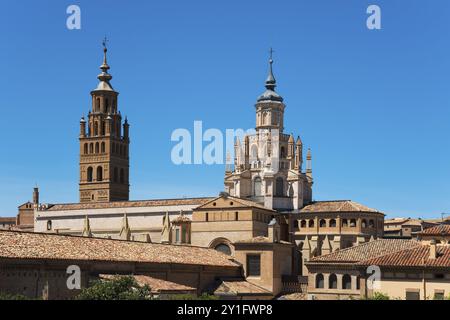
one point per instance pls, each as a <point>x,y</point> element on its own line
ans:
<point>165,234</point>
<point>308,163</point>
<point>271,83</point>
<point>125,232</point>
<point>87,228</point>
<point>104,76</point>
<point>299,141</point>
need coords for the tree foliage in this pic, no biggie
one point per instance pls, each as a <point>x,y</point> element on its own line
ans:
<point>118,288</point>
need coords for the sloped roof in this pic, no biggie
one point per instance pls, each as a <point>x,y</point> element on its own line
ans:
<point>156,285</point>
<point>129,204</point>
<point>414,257</point>
<point>243,202</point>
<point>336,206</point>
<point>27,245</point>
<point>240,287</point>
<point>440,230</point>
<point>365,251</point>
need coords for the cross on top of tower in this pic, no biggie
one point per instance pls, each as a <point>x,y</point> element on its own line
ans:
<point>105,41</point>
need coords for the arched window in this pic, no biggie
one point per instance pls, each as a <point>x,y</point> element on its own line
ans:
<point>332,223</point>
<point>97,147</point>
<point>257,185</point>
<point>122,176</point>
<point>319,281</point>
<point>371,224</point>
<point>97,104</point>
<point>223,248</point>
<point>103,131</point>
<point>116,175</point>
<point>86,147</point>
<point>106,105</point>
<point>99,174</point>
<point>322,223</point>
<point>357,283</point>
<point>279,191</point>
<point>303,224</point>
<point>353,223</point>
<point>364,223</point>
<point>344,223</point>
<point>89,174</point>
<point>346,282</point>
<point>103,147</point>
<point>311,223</point>
<point>332,282</point>
<point>91,148</point>
<point>96,128</point>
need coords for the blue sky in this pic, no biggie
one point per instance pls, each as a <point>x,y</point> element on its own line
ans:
<point>374,106</point>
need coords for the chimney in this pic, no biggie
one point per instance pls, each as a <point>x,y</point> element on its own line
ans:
<point>433,250</point>
<point>36,197</point>
<point>274,231</point>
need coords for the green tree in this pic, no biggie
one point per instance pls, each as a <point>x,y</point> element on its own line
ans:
<point>117,288</point>
<point>379,296</point>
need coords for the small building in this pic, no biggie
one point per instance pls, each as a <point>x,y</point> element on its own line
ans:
<point>323,227</point>
<point>7,223</point>
<point>400,268</point>
<point>225,220</point>
<point>405,227</point>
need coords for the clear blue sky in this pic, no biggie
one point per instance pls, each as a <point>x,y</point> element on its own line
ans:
<point>374,106</point>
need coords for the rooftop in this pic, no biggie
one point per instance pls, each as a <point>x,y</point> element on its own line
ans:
<point>240,287</point>
<point>27,245</point>
<point>129,204</point>
<point>440,230</point>
<point>336,206</point>
<point>368,250</point>
<point>413,257</point>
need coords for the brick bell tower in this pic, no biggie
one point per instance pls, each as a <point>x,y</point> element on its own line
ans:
<point>104,147</point>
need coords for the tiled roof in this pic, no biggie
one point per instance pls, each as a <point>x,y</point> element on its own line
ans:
<point>413,257</point>
<point>129,204</point>
<point>368,250</point>
<point>24,245</point>
<point>156,285</point>
<point>441,230</point>
<point>240,287</point>
<point>336,206</point>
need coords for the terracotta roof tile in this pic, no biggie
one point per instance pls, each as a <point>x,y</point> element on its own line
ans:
<point>24,245</point>
<point>336,206</point>
<point>413,257</point>
<point>240,287</point>
<point>260,239</point>
<point>441,230</point>
<point>129,204</point>
<point>367,251</point>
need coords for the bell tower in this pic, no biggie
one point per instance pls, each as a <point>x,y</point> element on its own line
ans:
<point>104,145</point>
